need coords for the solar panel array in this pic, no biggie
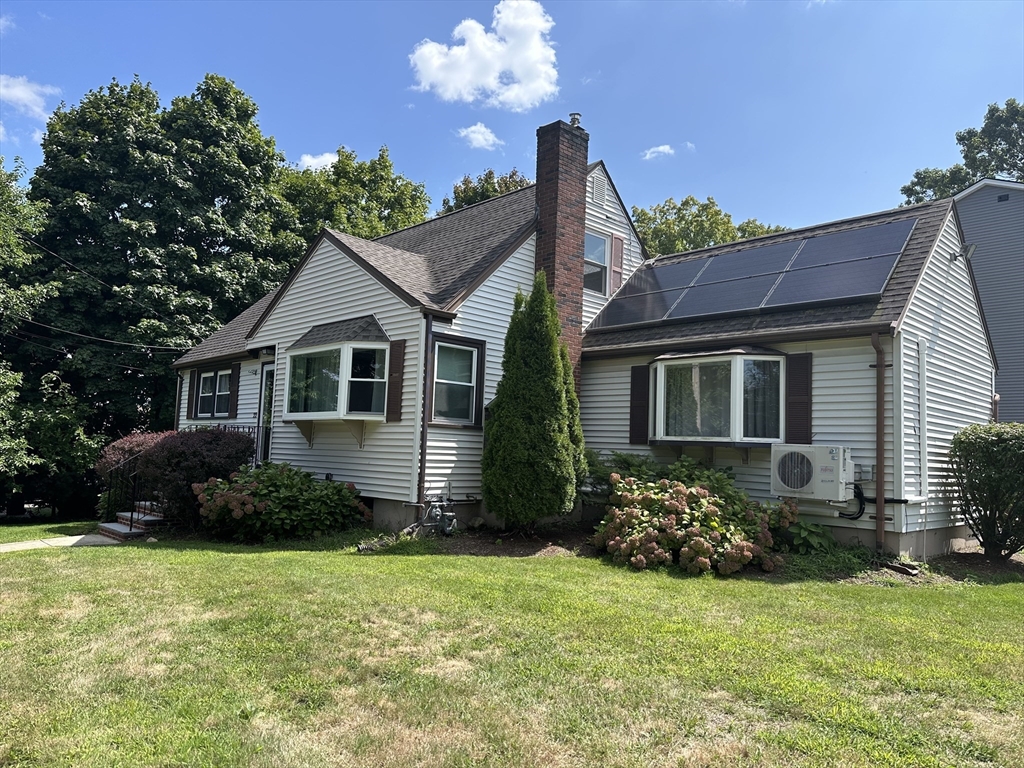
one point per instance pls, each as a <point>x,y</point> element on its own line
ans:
<point>840,267</point>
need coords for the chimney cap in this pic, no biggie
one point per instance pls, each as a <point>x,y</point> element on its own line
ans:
<point>574,119</point>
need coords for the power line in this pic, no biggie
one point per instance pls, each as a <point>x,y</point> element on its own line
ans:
<point>101,282</point>
<point>54,349</point>
<point>107,341</point>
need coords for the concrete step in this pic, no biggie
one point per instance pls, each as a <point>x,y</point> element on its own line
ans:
<point>145,522</point>
<point>147,507</point>
<point>120,532</point>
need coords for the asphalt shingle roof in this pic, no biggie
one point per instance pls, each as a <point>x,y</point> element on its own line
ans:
<point>365,328</point>
<point>840,319</point>
<point>230,339</point>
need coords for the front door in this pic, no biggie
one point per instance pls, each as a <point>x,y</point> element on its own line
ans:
<point>266,413</point>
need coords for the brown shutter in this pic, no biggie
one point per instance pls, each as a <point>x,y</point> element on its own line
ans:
<point>193,393</point>
<point>236,372</point>
<point>616,263</point>
<point>798,399</point>
<point>396,373</point>
<point>639,404</point>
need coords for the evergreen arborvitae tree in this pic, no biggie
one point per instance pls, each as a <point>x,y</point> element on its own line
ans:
<point>529,470</point>
<point>575,427</point>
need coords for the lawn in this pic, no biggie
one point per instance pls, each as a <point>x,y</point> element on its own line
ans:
<point>42,529</point>
<point>196,654</point>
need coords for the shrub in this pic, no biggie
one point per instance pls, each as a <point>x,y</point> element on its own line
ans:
<point>126,448</point>
<point>653,524</point>
<point>635,465</point>
<point>988,463</point>
<point>277,501</point>
<point>170,467</point>
<point>530,462</point>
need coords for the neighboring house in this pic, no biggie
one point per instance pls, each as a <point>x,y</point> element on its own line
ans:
<point>732,352</point>
<point>374,361</point>
<point>992,215</point>
<point>372,349</point>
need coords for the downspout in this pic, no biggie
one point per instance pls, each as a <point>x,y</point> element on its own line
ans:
<point>428,407</point>
<point>177,402</point>
<point>879,442</point>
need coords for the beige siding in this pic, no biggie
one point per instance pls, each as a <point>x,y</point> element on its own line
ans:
<point>605,216</point>
<point>958,372</point>
<point>330,288</point>
<point>453,453</point>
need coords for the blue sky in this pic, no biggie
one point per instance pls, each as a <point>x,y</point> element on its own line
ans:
<point>793,113</point>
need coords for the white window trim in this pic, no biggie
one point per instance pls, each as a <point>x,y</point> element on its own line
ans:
<point>344,378</point>
<point>473,384</point>
<point>607,266</point>
<point>213,413</point>
<point>735,399</point>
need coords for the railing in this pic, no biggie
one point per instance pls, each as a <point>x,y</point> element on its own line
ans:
<point>259,435</point>
<point>123,490</point>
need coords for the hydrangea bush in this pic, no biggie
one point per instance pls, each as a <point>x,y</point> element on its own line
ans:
<point>277,501</point>
<point>650,524</point>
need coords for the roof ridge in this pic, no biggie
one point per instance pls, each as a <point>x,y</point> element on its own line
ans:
<point>456,212</point>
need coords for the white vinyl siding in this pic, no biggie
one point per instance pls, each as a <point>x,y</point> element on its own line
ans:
<point>248,398</point>
<point>944,314</point>
<point>607,218</point>
<point>329,288</point>
<point>454,453</point>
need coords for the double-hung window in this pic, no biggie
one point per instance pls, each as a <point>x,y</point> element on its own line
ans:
<point>595,263</point>
<point>214,396</point>
<point>338,381</point>
<point>734,398</point>
<point>458,376</point>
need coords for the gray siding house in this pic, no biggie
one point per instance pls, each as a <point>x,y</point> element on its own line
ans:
<point>992,216</point>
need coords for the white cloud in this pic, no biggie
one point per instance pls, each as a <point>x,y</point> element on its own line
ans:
<point>479,136</point>
<point>6,23</point>
<point>512,67</point>
<point>690,147</point>
<point>25,96</point>
<point>317,161</point>
<point>653,152</point>
<point>37,136</point>
<point>3,133</point>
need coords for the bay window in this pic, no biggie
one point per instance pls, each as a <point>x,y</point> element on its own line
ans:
<point>734,398</point>
<point>336,382</point>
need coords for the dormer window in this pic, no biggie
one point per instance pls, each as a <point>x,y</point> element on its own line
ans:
<point>595,263</point>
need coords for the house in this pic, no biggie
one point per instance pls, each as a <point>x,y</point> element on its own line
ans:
<point>372,350</point>
<point>832,364</point>
<point>860,339</point>
<point>992,215</point>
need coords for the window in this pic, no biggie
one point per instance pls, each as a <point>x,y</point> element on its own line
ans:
<point>214,398</point>
<point>595,264</point>
<point>458,376</point>
<point>736,398</point>
<point>345,380</point>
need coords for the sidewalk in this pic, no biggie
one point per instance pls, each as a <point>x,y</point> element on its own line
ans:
<point>85,540</point>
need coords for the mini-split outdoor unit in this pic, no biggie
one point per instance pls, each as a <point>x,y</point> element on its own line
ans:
<point>812,472</point>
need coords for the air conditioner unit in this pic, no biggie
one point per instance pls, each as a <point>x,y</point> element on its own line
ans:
<point>812,472</point>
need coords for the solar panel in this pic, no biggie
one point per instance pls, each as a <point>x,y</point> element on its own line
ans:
<point>724,297</point>
<point>663,278</point>
<point>879,240</point>
<point>847,280</point>
<point>765,260</point>
<point>628,310</point>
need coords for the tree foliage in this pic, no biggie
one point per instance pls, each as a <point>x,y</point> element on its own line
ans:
<point>994,151</point>
<point>529,463</point>
<point>365,198</point>
<point>672,227</point>
<point>484,187</point>
<point>162,225</point>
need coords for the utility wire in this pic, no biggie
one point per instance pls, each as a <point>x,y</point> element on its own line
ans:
<point>54,349</point>
<point>101,282</point>
<point>107,341</point>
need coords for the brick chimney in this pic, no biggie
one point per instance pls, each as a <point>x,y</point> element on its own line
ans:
<point>562,216</point>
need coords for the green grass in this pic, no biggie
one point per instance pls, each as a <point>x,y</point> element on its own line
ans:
<point>42,529</point>
<point>185,653</point>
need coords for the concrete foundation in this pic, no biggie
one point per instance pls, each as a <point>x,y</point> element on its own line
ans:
<point>915,545</point>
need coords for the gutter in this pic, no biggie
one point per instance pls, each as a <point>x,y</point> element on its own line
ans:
<point>428,407</point>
